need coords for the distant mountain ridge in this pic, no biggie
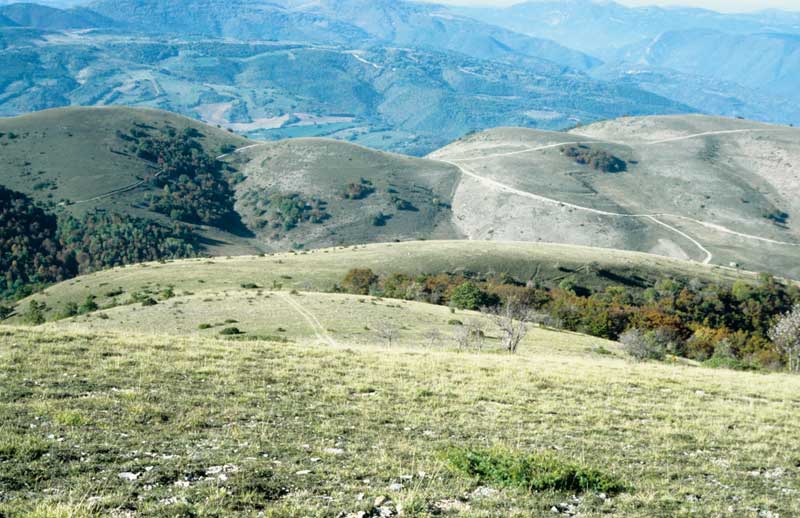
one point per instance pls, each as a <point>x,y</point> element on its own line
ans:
<point>405,99</point>
<point>601,28</point>
<point>353,22</point>
<point>743,65</point>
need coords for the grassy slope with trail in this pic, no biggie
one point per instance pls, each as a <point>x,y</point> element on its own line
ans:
<point>321,270</point>
<point>96,424</point>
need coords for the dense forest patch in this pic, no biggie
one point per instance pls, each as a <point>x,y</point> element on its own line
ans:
<point>38,247</point>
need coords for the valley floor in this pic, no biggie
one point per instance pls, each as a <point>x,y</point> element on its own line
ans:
<point>104,424</point>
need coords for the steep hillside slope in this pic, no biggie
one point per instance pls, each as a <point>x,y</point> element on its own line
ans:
<point>360,195</point>
<point>114,160</point>
<point>710,189</point>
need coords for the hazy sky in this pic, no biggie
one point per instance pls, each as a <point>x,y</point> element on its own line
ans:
<point>718,5</point>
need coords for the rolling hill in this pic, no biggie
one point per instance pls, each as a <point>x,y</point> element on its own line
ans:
<point>244,381</point>
<point>713,190</point>
<point>321,270</point>
<point>704,188</point>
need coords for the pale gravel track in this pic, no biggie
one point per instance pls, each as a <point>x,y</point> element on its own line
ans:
<point>709,256</point>
<point>312,320</point>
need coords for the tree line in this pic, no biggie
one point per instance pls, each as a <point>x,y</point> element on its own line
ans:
<point>740,325</point>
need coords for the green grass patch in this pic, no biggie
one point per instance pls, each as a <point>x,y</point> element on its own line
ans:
<point>531,472</point>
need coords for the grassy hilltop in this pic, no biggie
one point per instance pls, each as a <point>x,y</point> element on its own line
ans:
<point>107,424</point>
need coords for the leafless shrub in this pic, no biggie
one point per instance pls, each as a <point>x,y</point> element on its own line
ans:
<point>512,321</point>
<point>785,334</point>
<point>386,332</point>
<point>433,337</point>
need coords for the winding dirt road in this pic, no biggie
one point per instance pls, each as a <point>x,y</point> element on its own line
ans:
<point>652,217</point>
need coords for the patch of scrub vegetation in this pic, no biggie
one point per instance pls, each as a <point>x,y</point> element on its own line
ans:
<point>778,217</point>
<point>597,159</point>
<point>280,213</point>
<point>358,190</point>
<point>530,472</point>
<point>193,186</point>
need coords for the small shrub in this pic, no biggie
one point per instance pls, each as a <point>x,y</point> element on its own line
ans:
<point>204,326</point>
<point>231,331</point>
<point>88,306</point>
<point>379,219</point>
<point>70,310</point>
<point>250,286</point>
<point>358,191</point>
<point>35,314</point>
<point>454,322</point>
<point>640,345</point>
<point>532,472</point>
<point>149,302</point>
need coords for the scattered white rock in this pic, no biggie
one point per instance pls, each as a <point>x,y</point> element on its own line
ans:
<point>334,451</point>
<point>484,492</point>
<point>303,472</point>
<point>396,487</point>
<point>127,475</point>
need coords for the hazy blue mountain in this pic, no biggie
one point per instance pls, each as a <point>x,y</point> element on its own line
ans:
<point>7,22</point>
<point>50,18</point>
<point>434,26</point>
<point>410,100</point>
<point>601,27</point>
<point>351,22</point>
<point>706,94</point>
<point>768,62</point>
<point>237,19</point>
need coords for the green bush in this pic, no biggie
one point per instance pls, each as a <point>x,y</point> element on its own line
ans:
<point>35,314</point>
<point>532,472</point>
<point>88,306</point>
<point>230,331</point>
<point>468,296</point>
<point>645,345</point>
